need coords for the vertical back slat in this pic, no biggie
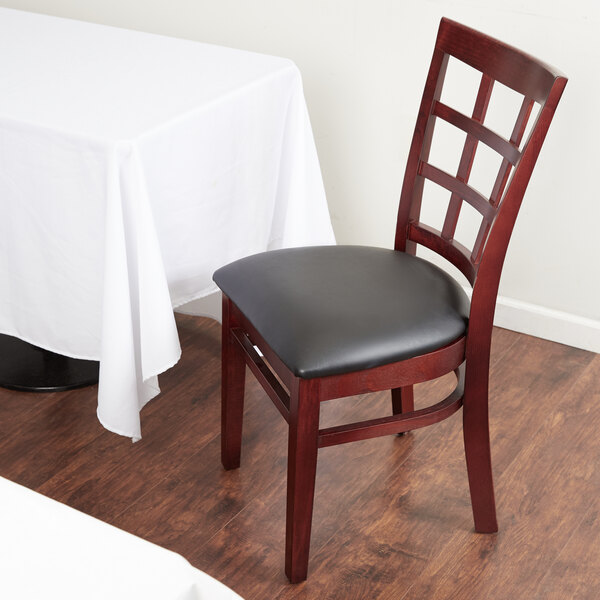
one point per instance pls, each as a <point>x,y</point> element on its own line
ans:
<point>502,178</point>
<point>467,157</point>
<point>516,138</point>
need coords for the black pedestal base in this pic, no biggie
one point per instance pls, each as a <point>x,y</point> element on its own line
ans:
<point>27,368</point>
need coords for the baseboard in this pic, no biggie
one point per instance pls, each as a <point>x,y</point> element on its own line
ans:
<point>524,317</point>
<point>548,324</point>
<point>208,306</point>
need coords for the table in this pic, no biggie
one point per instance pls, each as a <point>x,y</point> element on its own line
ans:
<point>46,553</point>
<point>132,166</point>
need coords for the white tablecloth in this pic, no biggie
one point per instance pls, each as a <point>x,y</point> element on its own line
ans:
<point>131,167</point>
<point>50,551</point>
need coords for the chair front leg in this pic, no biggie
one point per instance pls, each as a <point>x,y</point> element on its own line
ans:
<point>233,375</point>
<point>302,467</point>
<point>477,448</point>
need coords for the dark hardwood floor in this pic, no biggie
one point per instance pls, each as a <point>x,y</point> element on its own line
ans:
<point>392,515</point>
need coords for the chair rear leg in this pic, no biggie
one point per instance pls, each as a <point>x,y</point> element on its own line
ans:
<point>233,375</point>
<point>403,401</point>
<point>479,462</point>
<point>302,467</point>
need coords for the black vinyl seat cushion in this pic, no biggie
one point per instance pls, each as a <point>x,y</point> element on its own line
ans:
<point>328,310</point>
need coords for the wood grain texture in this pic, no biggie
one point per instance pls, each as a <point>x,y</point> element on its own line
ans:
<point>391,517</point>
<point>544,489</point>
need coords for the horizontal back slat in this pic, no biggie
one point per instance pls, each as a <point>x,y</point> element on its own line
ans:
<point>451,250</point>
<point>481,132</point>
<point>466,192</point>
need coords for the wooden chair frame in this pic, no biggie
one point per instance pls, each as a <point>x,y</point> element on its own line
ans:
<point>298,400</point>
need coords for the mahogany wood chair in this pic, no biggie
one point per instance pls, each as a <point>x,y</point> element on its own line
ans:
<point>338,321</point>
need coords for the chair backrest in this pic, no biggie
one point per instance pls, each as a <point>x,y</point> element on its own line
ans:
<point>537,83</point>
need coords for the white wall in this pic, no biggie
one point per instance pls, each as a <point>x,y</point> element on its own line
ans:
<point>364,63</point>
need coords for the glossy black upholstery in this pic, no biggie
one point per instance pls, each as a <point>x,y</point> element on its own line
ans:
<point>328,310</point>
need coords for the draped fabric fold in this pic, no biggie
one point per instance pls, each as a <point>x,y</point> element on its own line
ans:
<point>132,166</point>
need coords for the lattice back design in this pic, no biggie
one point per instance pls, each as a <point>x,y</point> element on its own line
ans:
<point>536,82</point>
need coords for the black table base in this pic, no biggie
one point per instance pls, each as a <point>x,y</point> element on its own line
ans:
<point>27,368</point>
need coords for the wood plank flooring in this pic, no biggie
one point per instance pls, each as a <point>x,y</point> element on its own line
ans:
<point>392,515</point>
